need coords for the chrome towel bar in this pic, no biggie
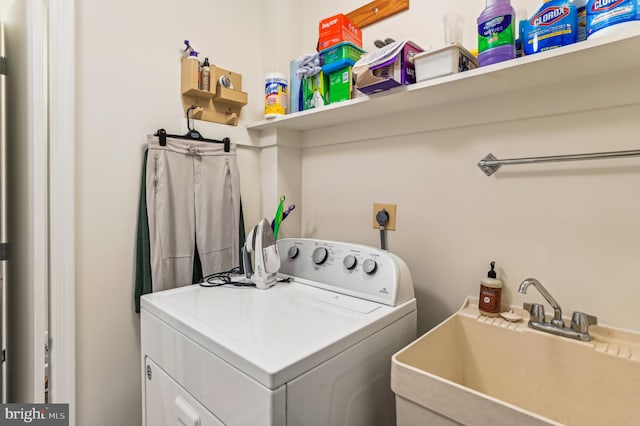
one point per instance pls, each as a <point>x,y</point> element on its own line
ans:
<point>490,164</point>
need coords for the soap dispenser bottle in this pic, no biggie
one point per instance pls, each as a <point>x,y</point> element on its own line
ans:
<point>490,294</point>
<point>193,56</point>
<point>205,75</point>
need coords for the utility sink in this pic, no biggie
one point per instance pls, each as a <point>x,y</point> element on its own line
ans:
<point>476,370</point>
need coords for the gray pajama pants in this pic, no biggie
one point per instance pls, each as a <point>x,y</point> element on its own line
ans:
<point>193,197</point>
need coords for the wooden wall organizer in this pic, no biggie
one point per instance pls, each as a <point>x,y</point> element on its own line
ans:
<point>219,104</point>
<point>376,11</point>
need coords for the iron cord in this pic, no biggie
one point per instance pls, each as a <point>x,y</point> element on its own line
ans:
<point>234,277</point>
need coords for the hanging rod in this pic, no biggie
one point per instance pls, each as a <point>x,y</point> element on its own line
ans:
<point>490,164</point>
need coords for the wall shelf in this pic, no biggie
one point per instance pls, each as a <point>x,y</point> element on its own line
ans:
<point>218,104</point>
<point>196,93</point>
<point>607,62</point>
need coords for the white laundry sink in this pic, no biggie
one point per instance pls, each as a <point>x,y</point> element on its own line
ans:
<point>477,370</point>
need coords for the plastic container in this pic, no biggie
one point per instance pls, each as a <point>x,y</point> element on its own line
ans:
<point>205,75</point>
<point>340,85</point>
<point>295,88</point>
<point>339,56</point>
<point>606,17</point>
<point>554,25</point>
<point>453,28</point>
<point>496,33</point>
<point>315,91</point>
<point>275,95</point>
<point>446,60</point>
<point>521,16</point>
<point>581,8</point>
<point>193,56</point>
<point>629,27</point>
<point>490,294</point>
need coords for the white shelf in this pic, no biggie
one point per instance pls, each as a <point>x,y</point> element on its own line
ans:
<point>596,61</point>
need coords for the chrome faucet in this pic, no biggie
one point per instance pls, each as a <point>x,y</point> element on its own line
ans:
<point>580,321</point>
<point>557,310</point>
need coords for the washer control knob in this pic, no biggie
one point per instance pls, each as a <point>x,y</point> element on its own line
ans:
<point>319,255</point>
<point>369,266</point>
<point>292,253</point>
<point>349,261</point>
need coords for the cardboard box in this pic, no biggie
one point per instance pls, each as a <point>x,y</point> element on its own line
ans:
<point>336,29</point>
<point>397,71</point>
<point>314,91</point>
<point>340,85</point>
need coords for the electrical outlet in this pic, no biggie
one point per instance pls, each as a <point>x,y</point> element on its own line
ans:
<point>391,209</point>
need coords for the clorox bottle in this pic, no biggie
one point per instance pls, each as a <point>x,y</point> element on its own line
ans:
<point>606,17</point>
<point>554,25</point>
<point>496,32</point>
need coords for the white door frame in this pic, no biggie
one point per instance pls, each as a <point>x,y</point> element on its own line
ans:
<point>62,254</point>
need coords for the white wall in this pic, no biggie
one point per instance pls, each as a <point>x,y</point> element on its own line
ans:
<point>573,226</point>
<point>128,86</point>
<point>570,226</point>
<point>27,205</point>
<point>5,5</point>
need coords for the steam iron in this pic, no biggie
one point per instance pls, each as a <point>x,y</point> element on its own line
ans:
<point>262,243</point>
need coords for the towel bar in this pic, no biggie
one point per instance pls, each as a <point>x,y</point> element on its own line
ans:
<point>490,164</point>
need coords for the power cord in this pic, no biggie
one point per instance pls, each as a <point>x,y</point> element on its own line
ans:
<point>233,276</point>
<point>382,217</point>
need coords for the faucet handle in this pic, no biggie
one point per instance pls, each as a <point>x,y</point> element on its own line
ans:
<point>580,322</point>
<point>536,311</point>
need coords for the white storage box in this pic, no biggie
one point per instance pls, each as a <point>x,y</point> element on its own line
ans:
<point>446,60</point>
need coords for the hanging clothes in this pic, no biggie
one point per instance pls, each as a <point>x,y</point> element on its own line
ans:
<point>142,283</point>
<point>190,196</point>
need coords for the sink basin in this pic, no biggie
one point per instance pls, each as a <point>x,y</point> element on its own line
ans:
<point>476,370</point>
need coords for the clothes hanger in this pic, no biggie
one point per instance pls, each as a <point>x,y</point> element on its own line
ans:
<point>192,134</point>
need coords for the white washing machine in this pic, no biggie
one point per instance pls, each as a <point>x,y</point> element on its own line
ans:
<point>313,351</point>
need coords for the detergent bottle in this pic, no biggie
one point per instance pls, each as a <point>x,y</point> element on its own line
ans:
<point>191,54</point>
<point>496,32</point>
<point>609,16</point>
<point>555,24</point>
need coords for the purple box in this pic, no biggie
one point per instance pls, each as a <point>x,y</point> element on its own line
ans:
<point>395,72</point>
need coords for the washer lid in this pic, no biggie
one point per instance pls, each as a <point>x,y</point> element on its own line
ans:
<point>272,335</point>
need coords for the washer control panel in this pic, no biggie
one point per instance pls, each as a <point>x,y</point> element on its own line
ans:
<point>356,270</point>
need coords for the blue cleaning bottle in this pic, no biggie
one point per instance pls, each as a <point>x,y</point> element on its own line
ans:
<point>554,25</point>
<point>604,14</point>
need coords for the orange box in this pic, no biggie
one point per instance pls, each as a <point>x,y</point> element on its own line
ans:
<point>336,29</point>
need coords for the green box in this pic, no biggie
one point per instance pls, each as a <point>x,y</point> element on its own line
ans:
<point>340,85</point>
<point>315,90</point>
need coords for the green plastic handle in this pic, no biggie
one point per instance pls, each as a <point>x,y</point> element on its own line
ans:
<point>278,218</point>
